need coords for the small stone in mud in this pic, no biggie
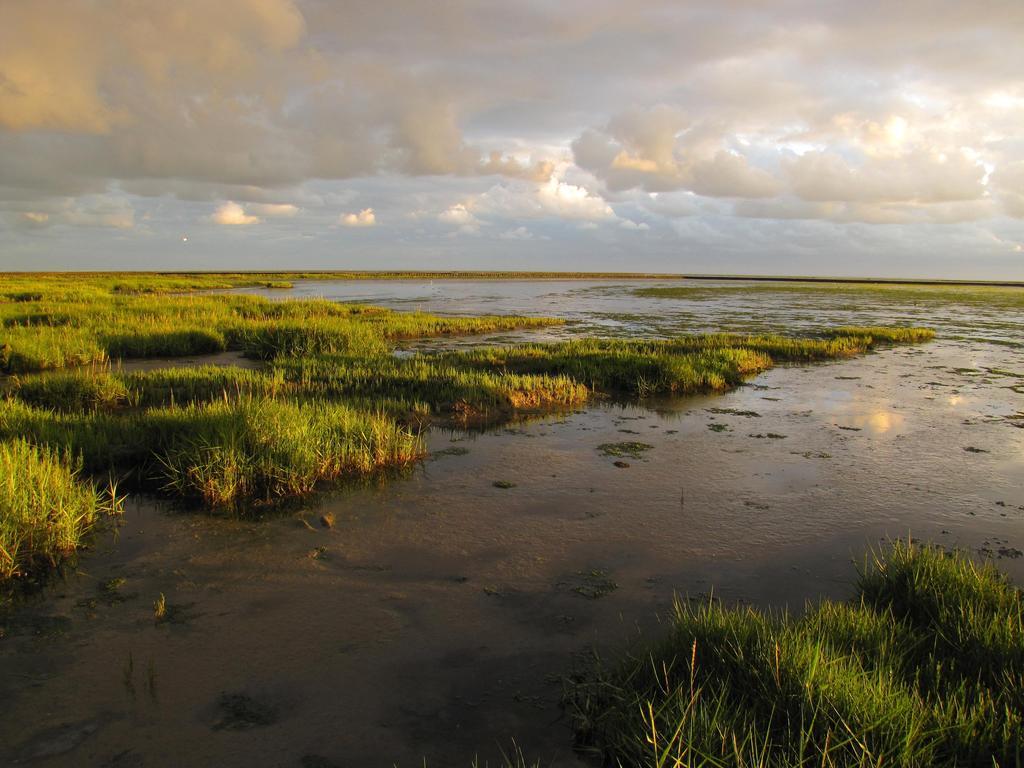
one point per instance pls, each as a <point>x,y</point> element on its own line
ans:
<point>238,712</point>
<point>770,436</point>
<point>621,464</point>
<point>848,429</point>
<point>327,520</point>
<point>972,449</point>
<point>503,484</point>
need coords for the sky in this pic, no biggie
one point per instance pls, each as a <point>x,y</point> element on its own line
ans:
<point>810,137</point>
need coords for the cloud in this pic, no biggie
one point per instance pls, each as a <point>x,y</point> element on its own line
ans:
<point>661,149</point>
<point>554,199</point>
<point>917,176</point>
<point>36,218</point>
<point>364,218</point>
<point>65,66</point>
<point>100,211</point>
<point>1009,183</point>
<point>275,210</point>
<point>456,214</point>
<point>233,215</point>
<point>722,123</point>
<point>634,225</point>
<point>519,233</point>
<point>460,216</point>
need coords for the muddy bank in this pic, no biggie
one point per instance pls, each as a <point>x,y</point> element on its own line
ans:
<point>433,616</point>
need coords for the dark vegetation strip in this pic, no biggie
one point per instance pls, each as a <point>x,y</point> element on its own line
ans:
<point>940,293</point>
<point>128,281</point>
<point>925,667</point>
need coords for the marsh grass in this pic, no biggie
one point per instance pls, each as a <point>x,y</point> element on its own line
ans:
<point>885,335</point>
<point>680,366</point>
<point>225,452</point>
<point>51,322</point>
<point>46,507</point>
<point>445,383</point>
<point>331,402</point>
<point>914,293</point>
<point>924,667</point>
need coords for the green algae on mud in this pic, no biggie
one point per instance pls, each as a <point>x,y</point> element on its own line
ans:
<point>925,666</point>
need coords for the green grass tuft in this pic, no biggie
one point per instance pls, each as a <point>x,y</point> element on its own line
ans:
<point>45,507</point>
<point>925,667</point>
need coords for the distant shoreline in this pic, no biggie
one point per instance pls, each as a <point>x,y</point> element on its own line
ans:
<point>511,275</point>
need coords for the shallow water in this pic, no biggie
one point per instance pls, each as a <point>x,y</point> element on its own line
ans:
<point>612,307</point>
<point>432,620</point>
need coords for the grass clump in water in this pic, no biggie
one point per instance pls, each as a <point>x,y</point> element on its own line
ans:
<point>223,453</point>
<point>447,383</point>
<point>46,508</point>
<point>684,365</point>
<point>885,334</point>
<point>925,667</point>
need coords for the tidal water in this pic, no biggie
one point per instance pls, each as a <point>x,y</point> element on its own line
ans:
<point>432,621</point>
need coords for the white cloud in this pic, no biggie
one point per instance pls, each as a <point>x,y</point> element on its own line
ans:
<point>662,149</point>
<point>814,122</point>
<point>513,200</point>
<point>461,217</point>
<point>456,214</point>
<point>519,233</point>
<point>916,176</point>
<point>36,218</point>
<point>641,226</point>
<point>231,214</point>
<point>105,211</point>
<point>278,210</point>
<point>364,218</point>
